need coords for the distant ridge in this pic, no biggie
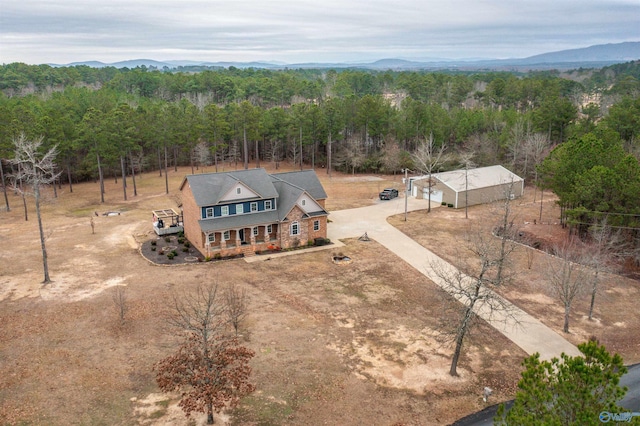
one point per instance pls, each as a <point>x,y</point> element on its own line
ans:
<point>592,56</point>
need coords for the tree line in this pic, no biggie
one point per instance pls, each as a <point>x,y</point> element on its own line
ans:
<point>120,122</point>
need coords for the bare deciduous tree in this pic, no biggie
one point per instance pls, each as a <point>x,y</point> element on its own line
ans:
<point>566,276</point>
<point>535,147</point>
<point>428,159</point>
<point>120,303</point>
<point>202,154</point>
<point>36,170</point>
<point>475,287</point>
<point>200,312</point>
<point>604,247</point>
<point>236,304</point>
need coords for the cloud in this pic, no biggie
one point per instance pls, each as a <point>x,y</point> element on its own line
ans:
<point>63,30</point>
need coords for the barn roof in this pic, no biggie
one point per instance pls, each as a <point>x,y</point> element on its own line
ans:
<point>481,177</point>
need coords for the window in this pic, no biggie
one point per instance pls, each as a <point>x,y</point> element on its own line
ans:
<point>226,235</point>
<point>269,229</point>
<point>255,231</point>
<point>238,190</point>
<point>316,225</point>
<point>304,202</point>
<point>254,207</point>
<point>295,228</point>
<point>224,210</point>
<point>267,205</point>
<point>239,208</point>
<point>212,238</point>
<point>208,212</point>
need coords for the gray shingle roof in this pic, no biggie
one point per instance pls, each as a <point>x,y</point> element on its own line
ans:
<point>306,179</point>
<point>209,188</point>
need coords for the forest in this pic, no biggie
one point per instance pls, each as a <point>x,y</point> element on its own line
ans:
<point>573,132</point>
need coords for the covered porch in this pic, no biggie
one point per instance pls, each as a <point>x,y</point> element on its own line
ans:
<point>245,240</point>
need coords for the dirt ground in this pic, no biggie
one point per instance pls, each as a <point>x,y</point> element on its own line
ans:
<point>616,319</point>
<point>342,344</point>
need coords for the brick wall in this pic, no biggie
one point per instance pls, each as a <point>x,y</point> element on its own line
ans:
<point>190,216</point>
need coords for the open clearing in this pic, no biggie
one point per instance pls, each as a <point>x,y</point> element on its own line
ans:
<point>345,344</point>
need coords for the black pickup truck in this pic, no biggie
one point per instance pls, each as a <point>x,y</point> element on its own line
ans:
<point>388,193</point>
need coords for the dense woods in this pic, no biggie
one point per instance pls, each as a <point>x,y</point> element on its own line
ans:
<point>109,122</point>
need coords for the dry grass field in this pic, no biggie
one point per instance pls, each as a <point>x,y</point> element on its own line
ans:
<point>335,344</point>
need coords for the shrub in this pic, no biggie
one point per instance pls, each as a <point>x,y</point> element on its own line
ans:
<point>181,234</point>
<point>167,239</point>
<point>153,248</point>
<point>180,240</point>
<point>170,256</point>
<point>153,243</point>
<point>444,203</point>
<point>217,256</point>
<point>187,244</point>
<point>174,253</point>
<point>207,258</point>
<point>449,205</point>
<point>185,249</point>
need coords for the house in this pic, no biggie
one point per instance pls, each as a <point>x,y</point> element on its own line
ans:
<point>469,187</point>
<point>245,211</point>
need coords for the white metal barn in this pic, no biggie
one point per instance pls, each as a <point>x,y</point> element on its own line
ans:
<point>469,187</point>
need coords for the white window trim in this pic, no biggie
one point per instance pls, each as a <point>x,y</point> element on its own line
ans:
<point>239,208</point>
<point>253,207</point>
<point>269,229</point>
<point>208,212</point>
<point>226,235</point>
<point>255,231</point>
<point>268,203</point>
<point>212,238</point>
<point>296,225</point>
<point>224,210</point>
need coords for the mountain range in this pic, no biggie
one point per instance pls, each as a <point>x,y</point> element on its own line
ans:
<point>593,57</point>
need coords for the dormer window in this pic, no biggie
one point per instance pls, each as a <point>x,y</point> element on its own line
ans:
<point>238,190</point>
<point>267,205</point>
<point>239,208</point>
<point>224,210</point>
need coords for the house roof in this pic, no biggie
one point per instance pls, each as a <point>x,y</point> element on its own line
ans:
<point>306,179</point>
<point>209,188</point>
<point>481,177</point>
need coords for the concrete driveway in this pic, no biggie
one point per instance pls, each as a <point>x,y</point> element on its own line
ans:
<point>521,328</point>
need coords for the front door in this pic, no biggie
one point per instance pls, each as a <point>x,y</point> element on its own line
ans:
<point>241,236</point>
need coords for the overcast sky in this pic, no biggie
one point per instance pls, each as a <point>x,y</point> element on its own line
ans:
<point>64,31</point>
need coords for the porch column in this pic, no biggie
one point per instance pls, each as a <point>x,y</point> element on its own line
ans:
<point>238,241</point>
<point>223,242</point>
<point>267,238</point>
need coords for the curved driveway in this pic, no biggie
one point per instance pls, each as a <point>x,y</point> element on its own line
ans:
<point>521,328</point>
